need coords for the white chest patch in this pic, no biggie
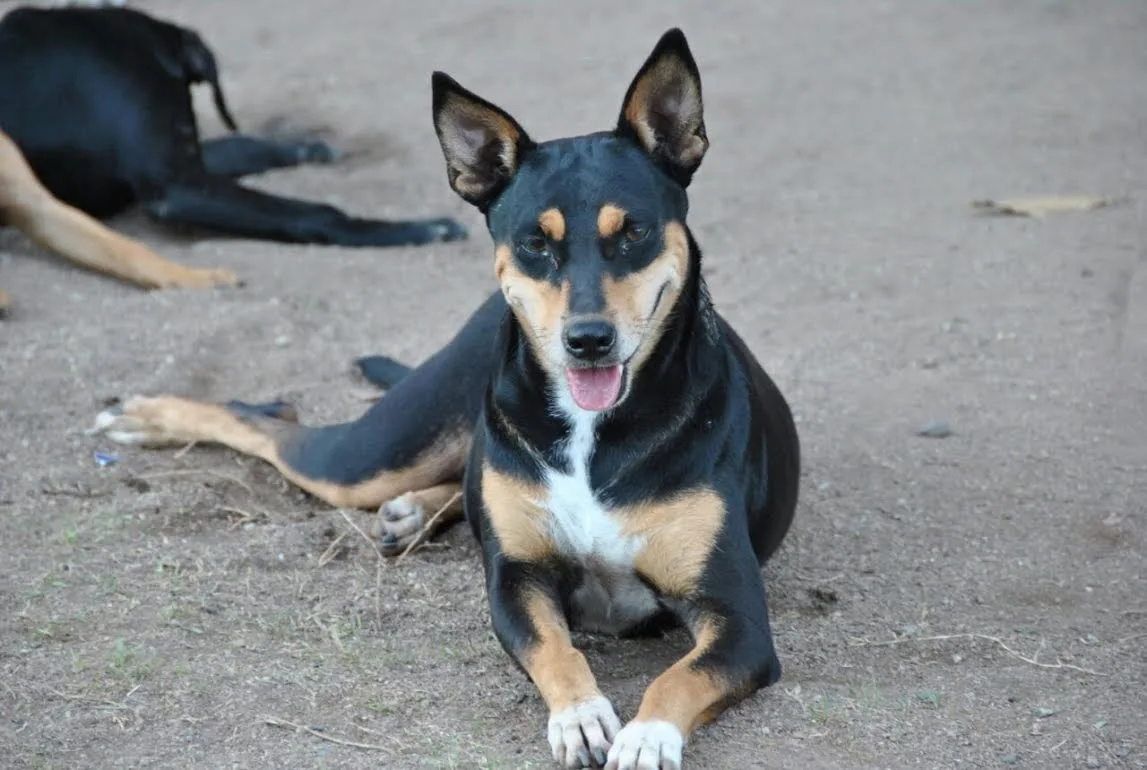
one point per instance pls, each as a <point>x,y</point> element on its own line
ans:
<point>611,598</point>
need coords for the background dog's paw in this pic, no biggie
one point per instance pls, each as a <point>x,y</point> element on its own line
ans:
<point>580,735</point>
<point>447,229</point>
<point>399,522</point>
<point>135,422</point>
<point>317,152</point>
<point>651,745</point>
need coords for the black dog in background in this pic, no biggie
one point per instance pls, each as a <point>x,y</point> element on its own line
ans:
<point>98,100</point>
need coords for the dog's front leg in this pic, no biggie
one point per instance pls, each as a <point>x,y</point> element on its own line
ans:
<point>733,656</point>
<point>532,627</point>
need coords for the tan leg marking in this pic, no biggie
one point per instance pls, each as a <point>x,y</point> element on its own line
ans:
<point>557,668</point>
<point>72,234</point>
<point>169,420</point>
<point>404,518</point>
<point>683,696</point>
<point>553,224</point>
<point>518,520</point>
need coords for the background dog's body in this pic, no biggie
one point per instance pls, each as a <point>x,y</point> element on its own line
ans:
<point>98,100</point>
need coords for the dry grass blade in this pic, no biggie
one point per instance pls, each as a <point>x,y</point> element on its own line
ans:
<point>985,637</point>
<point>287,725</point>
<point>1042,205</point>
<point>365,536</point>
<point>427,528</point>
<point>329,554</point>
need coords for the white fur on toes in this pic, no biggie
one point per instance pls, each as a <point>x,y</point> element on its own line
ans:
<point>400,520</point>
<point>122,426</point>
<point>647,746</point>
<point>583,733</point>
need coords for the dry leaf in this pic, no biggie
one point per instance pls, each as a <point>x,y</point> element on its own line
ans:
<point>1039,206</point>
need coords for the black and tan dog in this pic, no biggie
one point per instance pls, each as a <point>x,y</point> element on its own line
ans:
<point>98,101</point>
<point>624,459</point>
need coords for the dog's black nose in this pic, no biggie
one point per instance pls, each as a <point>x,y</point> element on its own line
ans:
<point>590,340</point>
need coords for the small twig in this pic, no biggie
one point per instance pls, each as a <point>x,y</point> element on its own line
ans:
<point>94,701</point>
<point>187,448</point>
<point>328,555</point>
<point>83,494</point>
<point>323,736</point>
<point>427,528</point>
<point>358,529</point>
<point>860,642</point>
<point>245,517</point>
<point>197,471</point>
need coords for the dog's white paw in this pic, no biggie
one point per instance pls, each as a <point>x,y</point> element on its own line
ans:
<point>134,423</point>
<point>399,522</point>
<point>580,735</point>
<point>652,745</point>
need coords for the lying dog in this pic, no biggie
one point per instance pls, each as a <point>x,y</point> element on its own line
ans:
<point>98,100</point>
<point>624,460</point>
<point>70,233</point>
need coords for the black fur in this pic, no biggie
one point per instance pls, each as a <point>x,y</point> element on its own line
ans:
<point>98,100</point>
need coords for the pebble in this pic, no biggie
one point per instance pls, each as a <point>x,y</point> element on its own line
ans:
<point>934,429</point>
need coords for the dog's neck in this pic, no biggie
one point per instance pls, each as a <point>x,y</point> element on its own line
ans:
<point>674,382</point>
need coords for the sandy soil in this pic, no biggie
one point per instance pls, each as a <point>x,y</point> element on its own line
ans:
<point>973,601</point>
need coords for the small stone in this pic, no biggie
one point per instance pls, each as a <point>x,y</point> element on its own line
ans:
<point>1093,761</point>
<point>934,429</point>
<point>1010,759</point>
<point>1044,713</point>
<point>282,341</point>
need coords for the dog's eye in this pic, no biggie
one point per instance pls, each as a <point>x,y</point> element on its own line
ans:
<point>635,233</point>
<point>534,244</point>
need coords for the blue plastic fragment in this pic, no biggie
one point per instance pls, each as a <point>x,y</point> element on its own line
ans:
<point>104,459</point>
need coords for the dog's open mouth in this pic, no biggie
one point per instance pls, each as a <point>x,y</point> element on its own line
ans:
<point>595,388</point>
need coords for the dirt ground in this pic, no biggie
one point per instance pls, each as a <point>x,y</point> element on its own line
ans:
<point>978,600</point>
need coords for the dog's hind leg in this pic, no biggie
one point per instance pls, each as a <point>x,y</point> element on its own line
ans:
<point>239,155</point>
<point>54,225</point>
<point>225,206</point>
<point>353,465</point>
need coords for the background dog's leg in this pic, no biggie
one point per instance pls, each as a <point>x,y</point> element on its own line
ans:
<point>5,303</point>
<point>238,155</point>
<point>70,233</point>
<point>223,205</point>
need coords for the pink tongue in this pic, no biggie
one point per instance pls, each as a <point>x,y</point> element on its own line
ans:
<point>595,389</point>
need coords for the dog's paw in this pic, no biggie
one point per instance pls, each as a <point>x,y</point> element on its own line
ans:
<point>316,152</point>
<point>580,735</point>
<point>138,422</point>
<point>654,745</point>
<point>446,229</point>
<point>198,278</point>
<point>399,522</point>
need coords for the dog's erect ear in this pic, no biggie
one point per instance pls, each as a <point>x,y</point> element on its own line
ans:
<point>483,145</point>
<point>662,111</point>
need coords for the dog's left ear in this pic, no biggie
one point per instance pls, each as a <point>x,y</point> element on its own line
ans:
<point>663,112</point>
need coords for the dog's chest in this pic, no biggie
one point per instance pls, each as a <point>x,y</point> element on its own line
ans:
<point>610,596</point>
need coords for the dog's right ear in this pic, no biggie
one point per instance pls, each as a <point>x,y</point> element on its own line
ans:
<point>483,145</point>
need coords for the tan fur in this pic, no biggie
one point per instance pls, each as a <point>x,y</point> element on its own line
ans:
<point>610,220</point>
<point>459,151</point>
<point>519,522</point>
<point>685,696</point>
<point>553,224</point>
<point>168,420</point>
<point>538,305</point>
<point>557,668</point>
<point>679,536</point>
<point>27,205</point>
<point>669,79</point>
<point>631,299</point>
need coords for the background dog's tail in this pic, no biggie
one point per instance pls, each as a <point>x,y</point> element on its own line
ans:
<point>382,371</point>
<point>199,67</point>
